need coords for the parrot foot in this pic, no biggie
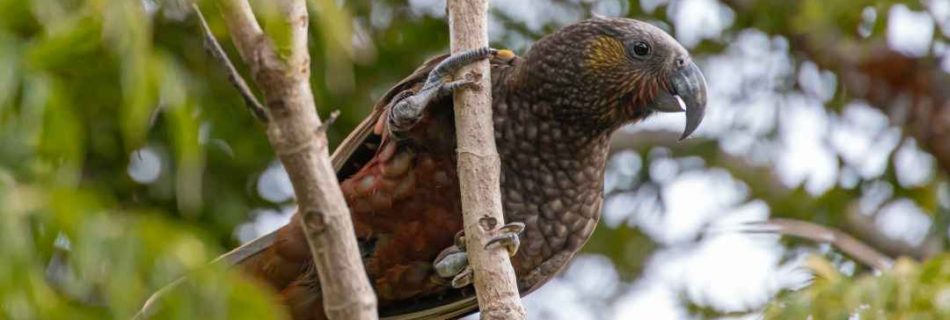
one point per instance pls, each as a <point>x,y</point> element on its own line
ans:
<point>460,240</point>
<point>464,278</point>
<point>508,237</point>
<point>455,265</point>
<point>406,109</point>
<point>453,261</point>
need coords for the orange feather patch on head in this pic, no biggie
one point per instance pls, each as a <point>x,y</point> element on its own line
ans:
<point>604,53</point>
<point>604,57</point>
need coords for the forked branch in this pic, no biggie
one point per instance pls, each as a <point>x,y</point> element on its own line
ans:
<point>214,48</point>
<point>298,138</point>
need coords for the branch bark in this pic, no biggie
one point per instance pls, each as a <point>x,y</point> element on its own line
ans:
<point>479,169</point>
<point>294,132</point>
<point>854,248</point>
<point>217,52</point>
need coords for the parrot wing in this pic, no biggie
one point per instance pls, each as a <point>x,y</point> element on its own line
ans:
<point>352,153</point>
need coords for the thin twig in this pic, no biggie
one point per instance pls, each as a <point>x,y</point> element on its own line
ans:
<point>844,242</point>
<point>214,48</point>
<point>328,122</point>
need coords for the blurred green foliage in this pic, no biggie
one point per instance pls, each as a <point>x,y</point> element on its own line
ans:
<point>908,291</point>
<point>85,84</point>
<point>89,86</point>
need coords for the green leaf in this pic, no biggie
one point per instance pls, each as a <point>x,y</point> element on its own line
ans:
<point>910,290</point>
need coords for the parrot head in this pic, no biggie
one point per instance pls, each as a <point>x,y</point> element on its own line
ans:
<point>604,72</point>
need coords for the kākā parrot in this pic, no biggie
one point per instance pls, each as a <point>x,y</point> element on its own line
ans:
<point>554,110</point>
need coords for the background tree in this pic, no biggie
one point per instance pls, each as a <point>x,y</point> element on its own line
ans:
<point>125,161</point>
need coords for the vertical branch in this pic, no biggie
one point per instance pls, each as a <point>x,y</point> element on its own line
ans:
<point>480,168</point>
<point>294,132</point>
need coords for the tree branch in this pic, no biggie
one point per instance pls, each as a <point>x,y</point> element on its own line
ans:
<point>479,169</point>
<point>852,247</point>
<point>214,48</point>
<point>284,78</point>
<point>246,33</point>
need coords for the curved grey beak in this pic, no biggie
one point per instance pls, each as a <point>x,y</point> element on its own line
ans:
<point>688,93</point>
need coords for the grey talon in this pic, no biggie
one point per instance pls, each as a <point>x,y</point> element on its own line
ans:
<point>450,87</point>
<point>401,116</point>
<point>460,240</point>
<point>455,62</point>
<point>510,241</point>
<point>452,261</point>
<point>512,227</point>
<point>508,237</point>
<point>451,264</point>
<point>463,279</point>
<point>406,109</point>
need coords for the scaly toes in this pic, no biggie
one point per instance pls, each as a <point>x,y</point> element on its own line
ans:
<point>512,227</point>
<point>407,107</point>
<point>508,237</point>
<point>450,263</point>
<point>510,241</point>
<point>460,240</point>
<point>438,76</point>
<point>453,261</point>
<point>463,279</point>
<point>470,81</point>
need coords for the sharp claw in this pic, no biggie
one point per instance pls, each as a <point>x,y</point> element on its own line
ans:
<point>450,263</point>
<point>513,227</point>
<point>453,261</point>
<point>463,279</point>
<point>454,62</point>
<point>510,241</point>
<point>508,237</point>
<point>460,240</point>
<point>470,82</point>
<point>407,107</point>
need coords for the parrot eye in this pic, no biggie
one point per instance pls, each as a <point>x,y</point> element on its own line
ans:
<point>641,49</point>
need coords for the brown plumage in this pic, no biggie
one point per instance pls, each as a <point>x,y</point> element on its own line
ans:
<point>554,111</point>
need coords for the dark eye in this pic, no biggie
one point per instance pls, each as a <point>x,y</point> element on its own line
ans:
<point>641,49</point>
